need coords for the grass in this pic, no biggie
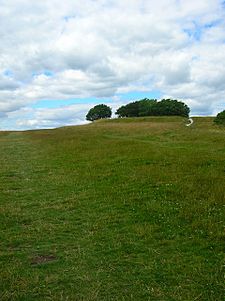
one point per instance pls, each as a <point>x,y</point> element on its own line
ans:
<point>127,209</point>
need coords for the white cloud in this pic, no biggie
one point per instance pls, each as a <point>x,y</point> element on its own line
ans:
<point>54,117</point>
<point>49,118</point>
<point>76,49</point>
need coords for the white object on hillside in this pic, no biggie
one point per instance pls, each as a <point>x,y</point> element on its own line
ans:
<point>191,121</point>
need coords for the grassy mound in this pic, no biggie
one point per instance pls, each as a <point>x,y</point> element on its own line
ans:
<point>116,210</point>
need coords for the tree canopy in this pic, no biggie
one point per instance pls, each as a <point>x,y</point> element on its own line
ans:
<point>152,107</point>
<point>220,118</point>
<point>99,112</point>
<point>136,109</point>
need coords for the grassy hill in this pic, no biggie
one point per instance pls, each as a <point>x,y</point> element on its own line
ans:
<point>126,209</point>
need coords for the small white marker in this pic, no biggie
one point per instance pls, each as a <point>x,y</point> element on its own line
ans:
<point>191,122</point>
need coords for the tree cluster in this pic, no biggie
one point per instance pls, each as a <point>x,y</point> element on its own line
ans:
<point>140,108</point>
<point>152,107</point>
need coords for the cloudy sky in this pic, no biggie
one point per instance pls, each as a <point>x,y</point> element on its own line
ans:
<point>60,58</point>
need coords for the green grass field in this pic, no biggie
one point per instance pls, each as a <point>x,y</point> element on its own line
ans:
<point>127,209</point>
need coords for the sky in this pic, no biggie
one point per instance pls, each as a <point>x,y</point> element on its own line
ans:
<point>60,58</point>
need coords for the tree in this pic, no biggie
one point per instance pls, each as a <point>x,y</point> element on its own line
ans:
<point>99,112</point>
<point>152,107</point>
<point>136,109</point>
<point>171,107</point>
<point>220,118</point>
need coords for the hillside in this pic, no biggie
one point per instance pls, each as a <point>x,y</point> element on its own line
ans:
<point>125,209</point>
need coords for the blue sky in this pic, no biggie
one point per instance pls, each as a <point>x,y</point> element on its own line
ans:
<point>65,57</point>
<point>126,97</point>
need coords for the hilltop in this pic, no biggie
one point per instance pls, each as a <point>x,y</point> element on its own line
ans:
<point>122,209</point>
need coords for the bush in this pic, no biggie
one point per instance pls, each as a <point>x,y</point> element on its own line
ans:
<point>220,118</point>
<point>99,112</point>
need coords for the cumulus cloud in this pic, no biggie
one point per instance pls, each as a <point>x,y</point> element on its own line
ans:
<point>80,49</point>
<point>27,118</point>
<point>50,118</point>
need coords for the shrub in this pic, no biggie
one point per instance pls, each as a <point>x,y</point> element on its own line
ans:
<point>220,118</point>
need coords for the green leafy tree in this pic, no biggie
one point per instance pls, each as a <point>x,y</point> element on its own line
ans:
<point>150,107</point>
<point>99,112</point>
<point>136,109</point>
<point>146,106</point>
<point>171,107</point>
<point>220,118</point>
